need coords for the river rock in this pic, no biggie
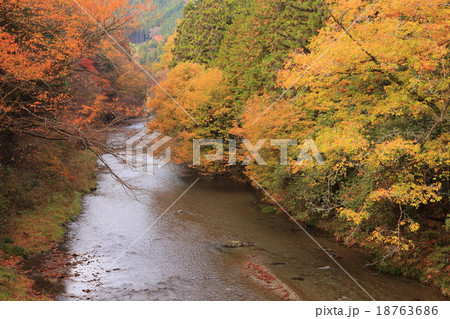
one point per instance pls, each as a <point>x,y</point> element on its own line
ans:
<point>324,267</point>
<point>298,278</point>
<point>233,244</point>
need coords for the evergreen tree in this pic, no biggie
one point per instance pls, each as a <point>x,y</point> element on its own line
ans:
<point>258,42</point>
<point>200,33</point>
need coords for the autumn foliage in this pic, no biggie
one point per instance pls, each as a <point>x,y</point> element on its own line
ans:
<point>377,104</point>
<point>41,45</point>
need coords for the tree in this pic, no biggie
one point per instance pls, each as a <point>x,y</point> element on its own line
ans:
<point>203,94</point>
<point>261,37</point>
<point>201,30</point>
<point>41,42</point>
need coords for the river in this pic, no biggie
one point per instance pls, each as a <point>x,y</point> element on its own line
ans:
<point>181,256</point>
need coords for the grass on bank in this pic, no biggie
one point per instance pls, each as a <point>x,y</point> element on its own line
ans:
<point>39,193</point>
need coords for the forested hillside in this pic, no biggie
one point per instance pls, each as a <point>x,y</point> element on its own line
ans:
<point>368,82</point>
<point>155,27</point>
<point>62,83</point>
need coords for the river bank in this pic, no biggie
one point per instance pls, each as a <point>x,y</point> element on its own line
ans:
<point>41,194</point>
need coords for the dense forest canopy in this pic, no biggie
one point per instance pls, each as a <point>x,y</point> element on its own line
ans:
<point>49,51</point>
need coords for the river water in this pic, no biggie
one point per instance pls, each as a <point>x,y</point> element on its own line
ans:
<point>181,256</point>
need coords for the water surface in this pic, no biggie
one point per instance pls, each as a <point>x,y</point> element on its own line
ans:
<point>181,256</point>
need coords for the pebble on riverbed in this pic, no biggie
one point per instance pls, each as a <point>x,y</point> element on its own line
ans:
<point>236,243</point>
<point>233,244</point>
<point>324,267</point>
